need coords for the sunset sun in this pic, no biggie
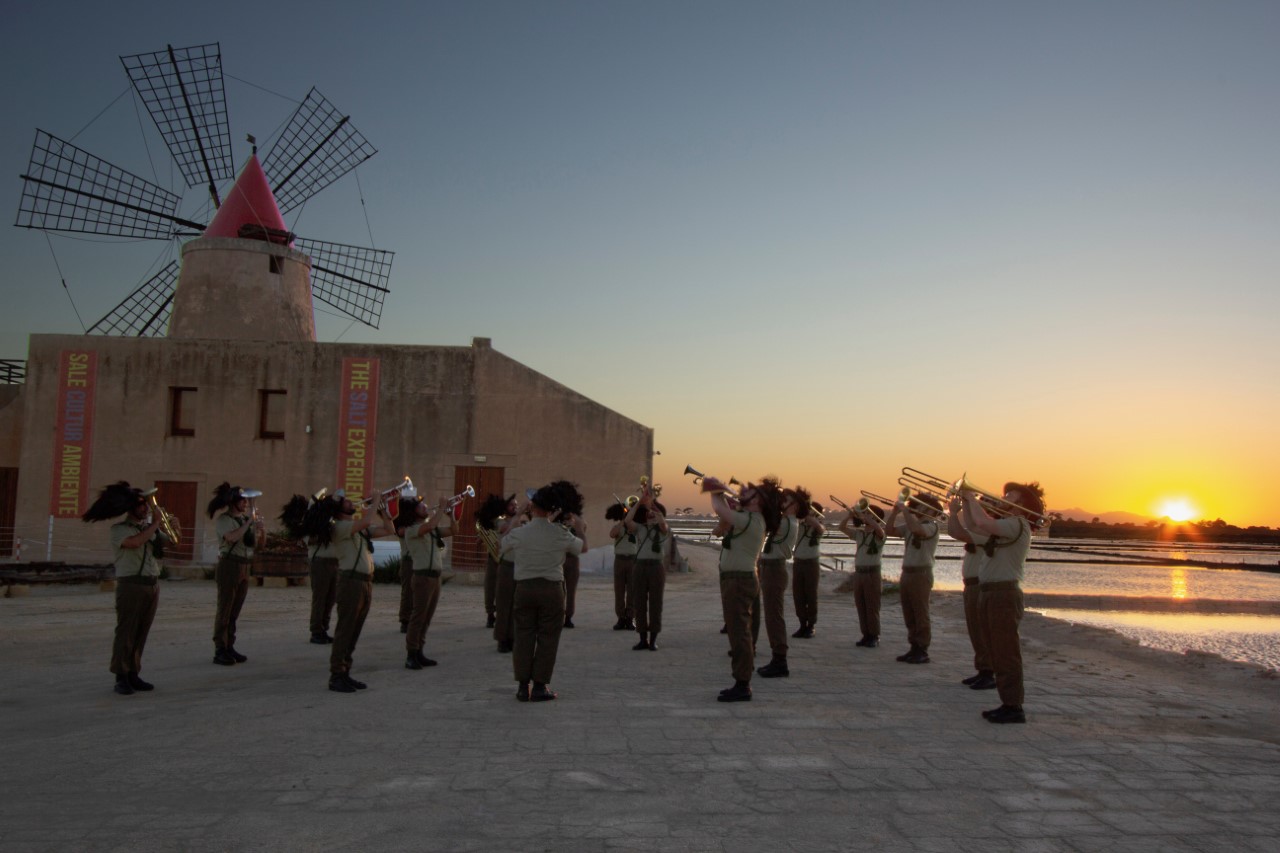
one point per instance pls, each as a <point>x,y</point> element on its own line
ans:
<point>1176,509</point>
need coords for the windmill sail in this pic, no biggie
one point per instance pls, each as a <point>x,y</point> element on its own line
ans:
<point>145,312</point>
<point>352,279</point>
<point>318,146</point>
<point>183,91</point>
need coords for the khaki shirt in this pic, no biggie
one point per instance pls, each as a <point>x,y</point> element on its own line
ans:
<point>1011,548</point>
<point>427,554</point>
<point>352,553</point>
<point>627,544</point>
<point>538,549</point>
<point>808,543</point>
<point>651,542</point>
<point>321,552</point>
<point>140,562</point>
<point>868,547</point>
<point>782,544</point>
<point>744,542</point>
<point>226,523</point>
<point>918,553</point>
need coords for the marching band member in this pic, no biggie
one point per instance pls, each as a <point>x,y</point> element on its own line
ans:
<point>805,569</point>
<point>772,568</point>
<point>647,522</point>
<point>353,541</point>
<point>758,510</point>
<point>864,526</point>
<point>300,517</point>
<point>920,534</point>
<point>538,550</point>
<point>494,509</point>
<point>424,533</point>
<point>624,562</point>
<point>504,593</point>
<point>970,567</point>
<point>1000,585</point>
<point>406,567</point>
<point>238,530</point>
<point>137,543</point>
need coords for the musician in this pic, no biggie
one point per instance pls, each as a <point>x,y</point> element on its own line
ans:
<point>424,532</point>
<point>1000,587</point>
<point>353,541</point>
<point>624,562</point>
<point>538,550</point>
<point>504,592</point>
<point>406,567</point>
<point>772,568</point>
<point>238,531</point>
<point>137,544</point>
<point>494,510</point>
<point>864,525</point>
<point>572,566</point>
<point>647,522</point>
<point>302,516</point>
<point>805,568</point>
<point>758,510</point>
<point>970,567</point>
<point>915,521</point>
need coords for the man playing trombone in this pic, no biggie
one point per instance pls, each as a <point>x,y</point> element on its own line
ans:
<point>1000,582</point>
<point>864,526</point>
<point>919,530</point>
<point>805,569</point>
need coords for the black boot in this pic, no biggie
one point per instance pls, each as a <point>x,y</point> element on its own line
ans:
<point>653,641</point>
<point>236,656</point>
<point>138,684</point>
<point>411,662</point>
<point>739,692</point>
<point>123,687</point>
<point>776,668</point>
<point>222,658</point>
<point>643,644</point>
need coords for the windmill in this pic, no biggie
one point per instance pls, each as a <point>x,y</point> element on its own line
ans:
<point>67,189</point>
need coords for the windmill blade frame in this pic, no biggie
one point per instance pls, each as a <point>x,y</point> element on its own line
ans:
<point>184,91</point>
<point>317,147</point>
<point>352,279</point>
<point>145,312</point>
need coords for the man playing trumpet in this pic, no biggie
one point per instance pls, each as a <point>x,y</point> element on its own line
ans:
<point>772,568</point>
<point>352,539</point>
<point>424,534</point>
<point>1000,584</point>
<point>238,531</point>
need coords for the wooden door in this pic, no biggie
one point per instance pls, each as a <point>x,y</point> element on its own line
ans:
<point>179,498</point>
<point>8,509</point>
<point>468,550</point>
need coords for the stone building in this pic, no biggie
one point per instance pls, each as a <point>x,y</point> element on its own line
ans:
<point>240,391</point>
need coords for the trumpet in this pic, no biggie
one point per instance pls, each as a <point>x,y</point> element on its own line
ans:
<point>711,484</point>
<point>468,492</point>
<point>255,518</point>
<point>169,524</point>
<point>388,494</point>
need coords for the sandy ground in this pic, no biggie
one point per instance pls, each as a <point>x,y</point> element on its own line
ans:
<point>1126,748</point>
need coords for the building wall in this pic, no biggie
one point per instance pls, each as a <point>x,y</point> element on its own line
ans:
<point>438,408</point>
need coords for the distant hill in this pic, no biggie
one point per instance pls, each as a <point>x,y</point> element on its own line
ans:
<point>1114,517</point>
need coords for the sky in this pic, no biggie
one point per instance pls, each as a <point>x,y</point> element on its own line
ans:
<point>816,240</point>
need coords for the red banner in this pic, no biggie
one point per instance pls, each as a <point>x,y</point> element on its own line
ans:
<point>357,425</point>
<point>73,438</point>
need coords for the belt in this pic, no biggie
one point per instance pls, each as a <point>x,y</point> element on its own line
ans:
<point>866,570</point>
<point>235,559</point>
<point>724,575</point>
<point>352,573</point>
<point>324,562</point>
<point>970,581</point>
<point>917,568</point>
<point>140,580</point>
<point>431,573</point>
<point>997,586</point>
<point>539,580</point>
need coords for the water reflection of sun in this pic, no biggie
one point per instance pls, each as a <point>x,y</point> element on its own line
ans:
<point>1176,509</point>
<point>1178,583</point>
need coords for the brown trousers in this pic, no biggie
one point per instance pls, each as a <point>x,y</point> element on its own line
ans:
<point>624,604</point>
<point>135,611</point>
<point>572,568</point>
<point>490,584</point>
<point>739,593</point>
<point>914,588</point>
<point>504,594</point>
<point>426,595</point>
<point>773,591</point>
<point>539,615</point>
<point>648,585</point>
<point>1001,611</point>
<point>406,588</point>
<point>324,592</point>
<point>232,578</point>
<point>804,590</point>
<point>355,595</point>
<point>867,588</point>
<point>973,622</point>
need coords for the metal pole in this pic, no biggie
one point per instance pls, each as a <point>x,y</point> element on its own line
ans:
<point>48,543</point>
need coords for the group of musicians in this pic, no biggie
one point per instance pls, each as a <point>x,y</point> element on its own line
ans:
<point>531,545</point>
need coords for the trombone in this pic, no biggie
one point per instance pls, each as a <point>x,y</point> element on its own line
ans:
<point>996,504</point>
<point>712,484</point>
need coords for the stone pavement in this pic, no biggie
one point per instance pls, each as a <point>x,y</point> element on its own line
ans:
<point>1126,748</point>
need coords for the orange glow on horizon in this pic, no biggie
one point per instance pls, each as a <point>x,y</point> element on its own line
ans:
<point>1176,509</point>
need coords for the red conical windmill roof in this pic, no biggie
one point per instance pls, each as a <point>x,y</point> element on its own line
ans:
<point>249,202</point>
